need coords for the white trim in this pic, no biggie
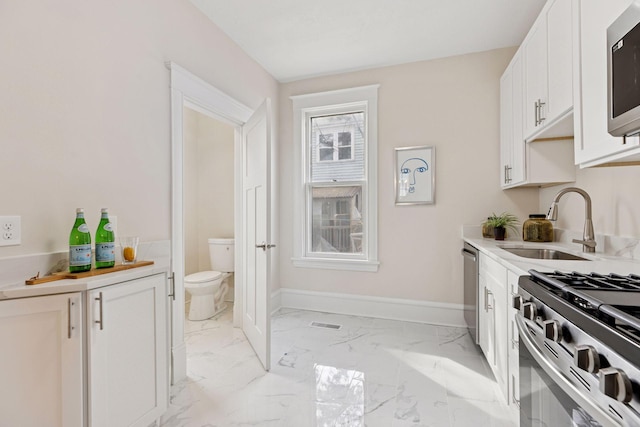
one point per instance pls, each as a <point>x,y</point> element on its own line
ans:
<point>276,301</point>
<point>385,308</point>
<point>193,92</point>
<point>302,105</point>
<point>336,264</point>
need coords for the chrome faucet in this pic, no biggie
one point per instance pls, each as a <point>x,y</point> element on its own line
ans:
<point>588,237</point>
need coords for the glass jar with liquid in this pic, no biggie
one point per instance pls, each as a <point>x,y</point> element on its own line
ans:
<point>537,229</point>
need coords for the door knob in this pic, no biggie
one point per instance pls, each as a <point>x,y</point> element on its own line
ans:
<point>264,246</point>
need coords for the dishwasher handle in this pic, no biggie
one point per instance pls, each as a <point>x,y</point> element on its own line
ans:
<point>469,254</point>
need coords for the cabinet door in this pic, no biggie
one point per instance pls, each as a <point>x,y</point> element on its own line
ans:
<point>486,321</point>
<point>535,62</point>
<point>512,146</point>
<point>560,59</point>
<point>513,344</point>
<point>591,138</point>
<point>127,353</point>
<point>41,361</point>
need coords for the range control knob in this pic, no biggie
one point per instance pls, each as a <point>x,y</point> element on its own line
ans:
<point>615,384</point>
<point>552,330</point>
<point>586,358</point>
<point>517,302</point>
<point>529,311</point>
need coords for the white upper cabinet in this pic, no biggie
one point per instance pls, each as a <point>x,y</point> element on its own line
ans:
<point>593,144</point>
<point>536,100</point>
<point>548,58</point>
<point>512,160</point>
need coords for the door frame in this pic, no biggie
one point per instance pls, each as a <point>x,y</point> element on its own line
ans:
<point>188,90</point>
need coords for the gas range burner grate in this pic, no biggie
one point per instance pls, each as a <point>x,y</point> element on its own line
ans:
<point>591,281</point>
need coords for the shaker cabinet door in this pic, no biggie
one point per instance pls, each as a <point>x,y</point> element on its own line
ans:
<point>41,361</point>
<point>127,353</point>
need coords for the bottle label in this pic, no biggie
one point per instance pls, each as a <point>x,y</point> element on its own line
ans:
<point>105,252</point>
<point>79,255</point>
<point>108,226</point>
<point>83,228</point>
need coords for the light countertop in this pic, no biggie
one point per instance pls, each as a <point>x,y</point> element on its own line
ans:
<point>599,262</point>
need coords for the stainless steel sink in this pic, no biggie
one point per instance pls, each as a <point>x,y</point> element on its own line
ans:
<point>541,253</point>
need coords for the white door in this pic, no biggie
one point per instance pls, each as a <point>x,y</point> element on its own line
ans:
<point>256,312</point>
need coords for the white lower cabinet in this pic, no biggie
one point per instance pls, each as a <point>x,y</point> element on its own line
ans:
<point>41,361</point>
<point>97,358</point>
<point>498,338</point>
<point>493,322</point>
<point>126,352</point>
<point>514,349</point>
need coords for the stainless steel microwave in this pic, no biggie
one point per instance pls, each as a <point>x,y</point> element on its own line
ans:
<point>623,73</point>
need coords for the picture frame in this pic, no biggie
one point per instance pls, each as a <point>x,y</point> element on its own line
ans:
<point>414,175</point>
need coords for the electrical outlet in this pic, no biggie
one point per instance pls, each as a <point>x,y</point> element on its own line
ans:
<point>10,233</point>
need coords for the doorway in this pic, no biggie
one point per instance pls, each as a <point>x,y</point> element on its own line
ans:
<point>252,261</point>
<point>208,192</point>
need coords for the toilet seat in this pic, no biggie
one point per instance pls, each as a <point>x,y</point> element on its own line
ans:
<point>202,277</point>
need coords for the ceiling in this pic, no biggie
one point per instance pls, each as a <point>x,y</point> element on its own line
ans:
<point>296,39</point>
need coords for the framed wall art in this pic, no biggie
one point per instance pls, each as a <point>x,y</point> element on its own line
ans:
<point>415,175</point>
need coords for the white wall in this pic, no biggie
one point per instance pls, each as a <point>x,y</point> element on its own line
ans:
<point>615,201</point>
<point>208,186</point>
<point>85,110</point>
<point>452,104</point>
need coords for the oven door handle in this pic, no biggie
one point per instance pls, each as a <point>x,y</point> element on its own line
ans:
<point>595,411</point>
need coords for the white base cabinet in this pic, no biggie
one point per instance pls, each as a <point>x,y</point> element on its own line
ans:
<point>498,338</point>
<point>127,356</point>
<point>41,362</point>
<point>493,318</point>
<point>97,358</point>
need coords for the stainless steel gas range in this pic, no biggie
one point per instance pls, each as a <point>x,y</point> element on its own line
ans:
<point>579,349</point>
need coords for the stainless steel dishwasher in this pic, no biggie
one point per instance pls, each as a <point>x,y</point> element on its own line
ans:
<point>471,272</point>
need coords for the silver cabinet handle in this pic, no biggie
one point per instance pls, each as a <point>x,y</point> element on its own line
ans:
<point>100,322</point>
<point>513,391</point>
<point>541,118</point>
<point>537,113</point>
<point>514,341</point>
<point>489,306</point>
<point>485,300</point>
<point>70,327</point>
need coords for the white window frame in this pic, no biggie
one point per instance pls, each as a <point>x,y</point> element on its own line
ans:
<point>365,99</point>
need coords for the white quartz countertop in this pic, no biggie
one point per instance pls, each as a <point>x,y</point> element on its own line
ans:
<point>14,271</point>
<point>20,290</point>
<point>597,262</point>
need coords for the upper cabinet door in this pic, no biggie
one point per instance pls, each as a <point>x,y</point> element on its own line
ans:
<point>535,63</point>
<point>560,59</point>
<point>593,144</point>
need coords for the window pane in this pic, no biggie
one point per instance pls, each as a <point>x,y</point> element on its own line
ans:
<point>347,137</point>
<point>326,154</point>
<point>337,220</point>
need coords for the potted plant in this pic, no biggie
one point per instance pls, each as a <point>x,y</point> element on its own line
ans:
<point>500,224</point>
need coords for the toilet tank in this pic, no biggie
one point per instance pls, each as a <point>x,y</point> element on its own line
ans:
<point>221,254</point>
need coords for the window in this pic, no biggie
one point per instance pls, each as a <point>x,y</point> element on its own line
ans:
<point>335,202</point>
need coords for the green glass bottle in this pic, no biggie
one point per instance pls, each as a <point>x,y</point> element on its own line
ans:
<point>105,242</point>
<point>79,245</point>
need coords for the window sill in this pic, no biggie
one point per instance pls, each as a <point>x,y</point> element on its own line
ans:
<point>336,264</point>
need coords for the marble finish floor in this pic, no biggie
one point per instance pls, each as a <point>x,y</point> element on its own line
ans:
<point>370,372</point>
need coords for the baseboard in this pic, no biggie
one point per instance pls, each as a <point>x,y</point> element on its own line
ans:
<point>360,305</point>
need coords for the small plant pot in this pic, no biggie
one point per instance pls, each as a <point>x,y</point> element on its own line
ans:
<point>499,233</point>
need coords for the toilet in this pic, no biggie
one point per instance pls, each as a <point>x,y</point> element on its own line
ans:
<point>208,288</point>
